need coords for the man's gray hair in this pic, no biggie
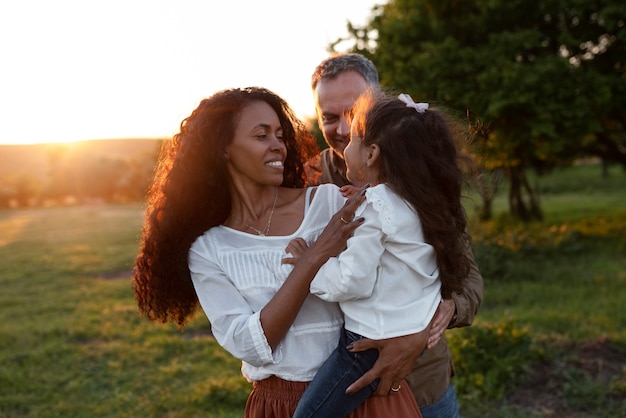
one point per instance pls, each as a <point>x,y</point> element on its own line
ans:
<point>333,66</point>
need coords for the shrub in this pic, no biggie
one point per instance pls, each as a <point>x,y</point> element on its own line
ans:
<point>490,359</point>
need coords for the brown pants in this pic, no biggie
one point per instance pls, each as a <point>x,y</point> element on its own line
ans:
<point>277,398</point>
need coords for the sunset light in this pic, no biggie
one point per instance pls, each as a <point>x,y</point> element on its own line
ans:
<point>80,70</point>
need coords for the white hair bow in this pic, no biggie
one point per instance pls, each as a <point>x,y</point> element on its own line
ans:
<point>420,107</point>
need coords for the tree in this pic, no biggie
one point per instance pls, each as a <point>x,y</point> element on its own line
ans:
<point>21,187</point>
<point>541,81</point>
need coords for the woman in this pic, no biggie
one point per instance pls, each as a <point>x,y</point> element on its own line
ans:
<point>226,201</point>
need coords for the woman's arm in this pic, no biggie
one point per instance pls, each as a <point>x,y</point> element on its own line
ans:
<point>248,332</point>
<point>280,312</point>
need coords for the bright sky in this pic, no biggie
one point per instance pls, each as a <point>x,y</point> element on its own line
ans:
<point>99,69</point>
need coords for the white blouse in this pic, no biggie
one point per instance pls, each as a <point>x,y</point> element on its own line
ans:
<point>235,275</point>
<point>387,280</point>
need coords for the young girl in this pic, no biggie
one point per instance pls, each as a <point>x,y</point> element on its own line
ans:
<point>409,252</point>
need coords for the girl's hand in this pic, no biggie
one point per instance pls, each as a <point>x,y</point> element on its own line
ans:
<point>296,248</point>
<point>349,190</point>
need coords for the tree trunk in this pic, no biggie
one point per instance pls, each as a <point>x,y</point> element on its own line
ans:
<point>533,197</point>
<point>488,183</point>
<point>486,211</point>
<point>483,188</point>
<point>525,212</point>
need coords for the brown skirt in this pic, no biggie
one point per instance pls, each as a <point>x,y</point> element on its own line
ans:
<point>277,398</point>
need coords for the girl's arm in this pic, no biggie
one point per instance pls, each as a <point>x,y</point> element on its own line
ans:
<point>353,273</point>
<point>280,312</point>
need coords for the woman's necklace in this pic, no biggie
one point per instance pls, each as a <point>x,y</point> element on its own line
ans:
<point>265,230</point>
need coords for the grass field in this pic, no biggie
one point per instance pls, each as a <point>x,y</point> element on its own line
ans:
<point>71,342</point>
<point>73,345</point>
<point>562,283</point>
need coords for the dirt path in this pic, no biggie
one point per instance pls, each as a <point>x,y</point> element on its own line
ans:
<point>572,387</point>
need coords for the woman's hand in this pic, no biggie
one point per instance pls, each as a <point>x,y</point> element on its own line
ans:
<point>278,314</point>
<point>333,239</point>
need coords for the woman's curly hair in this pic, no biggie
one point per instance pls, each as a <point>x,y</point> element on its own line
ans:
<point>190,194</point>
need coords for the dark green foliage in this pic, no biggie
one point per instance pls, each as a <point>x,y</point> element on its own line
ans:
<point>543,82</point>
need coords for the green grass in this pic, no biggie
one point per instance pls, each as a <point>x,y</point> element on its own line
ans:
<point>562,282</point>
<point>566,274</point>
<point>72,343</point>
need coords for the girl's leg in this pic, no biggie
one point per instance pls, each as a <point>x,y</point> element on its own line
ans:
<point>325,395</point>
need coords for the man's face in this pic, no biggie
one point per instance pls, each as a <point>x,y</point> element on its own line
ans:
<point>333,101</point>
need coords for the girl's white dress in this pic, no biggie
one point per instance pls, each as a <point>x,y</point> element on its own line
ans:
<point>387,280</point>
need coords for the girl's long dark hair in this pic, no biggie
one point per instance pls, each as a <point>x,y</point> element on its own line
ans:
<point>420,162</point>
<point>190,194</point>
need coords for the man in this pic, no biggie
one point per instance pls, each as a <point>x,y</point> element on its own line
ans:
<point>337,82</point>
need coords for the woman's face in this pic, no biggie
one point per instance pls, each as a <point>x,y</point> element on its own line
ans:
<point>257,151</point>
